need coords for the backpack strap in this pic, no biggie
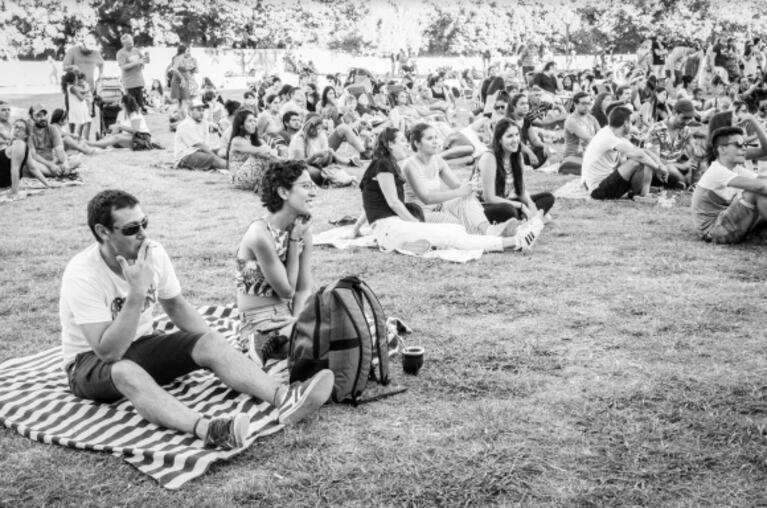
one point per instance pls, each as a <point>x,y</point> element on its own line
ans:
<point>358,321</point>
<point>382,342</point>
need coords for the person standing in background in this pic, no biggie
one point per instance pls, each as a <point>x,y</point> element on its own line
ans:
<point>131,62</point>
<point>86,58</point>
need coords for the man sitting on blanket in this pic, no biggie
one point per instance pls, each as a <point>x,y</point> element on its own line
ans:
<point>110,350</point>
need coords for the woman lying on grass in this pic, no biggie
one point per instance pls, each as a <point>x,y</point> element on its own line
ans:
<point>397,225</point>
<point>425,174</point>
<point>273,264</point>
<point>501,179</point>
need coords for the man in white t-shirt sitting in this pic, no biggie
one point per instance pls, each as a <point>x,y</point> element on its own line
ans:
<point>111,351</point>
<point>191,145</point>
<point>612,166</point>
<point>730,200</point>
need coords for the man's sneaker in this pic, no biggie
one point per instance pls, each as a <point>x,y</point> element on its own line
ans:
<point>227,433</point>
<point>306,397</point>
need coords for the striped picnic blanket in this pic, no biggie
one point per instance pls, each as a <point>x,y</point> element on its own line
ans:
<point>36,403</point>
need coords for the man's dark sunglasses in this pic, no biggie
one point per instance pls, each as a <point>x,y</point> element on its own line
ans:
<point>500,107</point>
<point>133,229</point>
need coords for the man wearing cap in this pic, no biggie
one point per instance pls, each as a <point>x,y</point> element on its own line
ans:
<point>730,200</point>
<point>669,142</point>
<point>47,146</point>
<point>191,145</point>
<point>85,57</point>
<point>131,63</point>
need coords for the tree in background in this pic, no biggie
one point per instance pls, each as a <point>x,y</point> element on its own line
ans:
<point>38,28</point>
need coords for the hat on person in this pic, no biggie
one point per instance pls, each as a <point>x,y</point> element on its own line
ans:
<point>684,106</point>
<point>36,108</point>
<point>197,103</point>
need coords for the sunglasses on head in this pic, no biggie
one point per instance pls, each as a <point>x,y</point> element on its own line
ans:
<point>133,229</point>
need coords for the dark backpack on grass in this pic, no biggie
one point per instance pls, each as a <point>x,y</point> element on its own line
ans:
<point>342,328</point>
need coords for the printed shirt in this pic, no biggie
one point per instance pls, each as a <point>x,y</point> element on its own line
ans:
<point>670,145</point>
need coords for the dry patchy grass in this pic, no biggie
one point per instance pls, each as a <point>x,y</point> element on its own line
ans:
<point>621,363</point>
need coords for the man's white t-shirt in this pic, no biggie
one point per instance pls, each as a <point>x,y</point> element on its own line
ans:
<point>92,293</point>
<point>717,177</point>
<point>188,134</point>
<point>601,157</point>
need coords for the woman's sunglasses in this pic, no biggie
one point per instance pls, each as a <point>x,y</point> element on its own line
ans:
<point>133,229</point>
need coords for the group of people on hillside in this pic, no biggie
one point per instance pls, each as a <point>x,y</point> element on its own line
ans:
<point>276,142</point>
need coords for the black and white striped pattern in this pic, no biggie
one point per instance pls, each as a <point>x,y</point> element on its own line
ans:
<point>35,402</point>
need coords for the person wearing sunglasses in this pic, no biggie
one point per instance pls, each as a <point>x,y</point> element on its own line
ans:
<point>730,201</point>
<point>110,350</point>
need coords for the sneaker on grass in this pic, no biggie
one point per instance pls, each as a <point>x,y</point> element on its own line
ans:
<point>306,397</point>
<point>227,433</point>
<point>529,232</point>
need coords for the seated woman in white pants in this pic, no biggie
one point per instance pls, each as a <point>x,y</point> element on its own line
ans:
<point>396,225</point>
<point>426,172</point>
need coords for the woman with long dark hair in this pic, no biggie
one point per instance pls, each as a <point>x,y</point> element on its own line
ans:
<point>432,185</point>
<point>248,158</point>
<point>656,109</point>
<point>501,179</point>
<point>397,225</point>
<point>329,107</point>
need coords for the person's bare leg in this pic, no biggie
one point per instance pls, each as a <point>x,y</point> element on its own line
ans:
<point>71,144</point>
<point>235,369</point>
<point>151,401</point>
<point>757,200</point>
<point>37,170</point>
<point>340,159</point>
<point>106,142</point>
<point>219,163</point>
<point>85,133</point>
<point>639,176</point>
<point>347,134</point>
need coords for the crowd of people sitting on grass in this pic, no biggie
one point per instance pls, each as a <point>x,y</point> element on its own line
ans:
<point>444,165</point>
<point>469,138</point>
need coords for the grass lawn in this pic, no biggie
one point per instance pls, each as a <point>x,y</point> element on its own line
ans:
<point>622,362</point>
